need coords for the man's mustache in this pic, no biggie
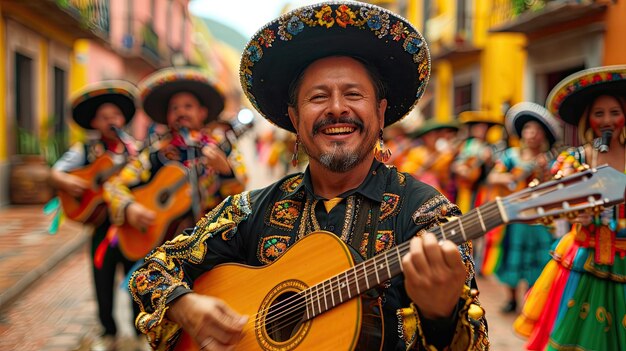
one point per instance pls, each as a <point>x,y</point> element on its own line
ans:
<point>330,121</point>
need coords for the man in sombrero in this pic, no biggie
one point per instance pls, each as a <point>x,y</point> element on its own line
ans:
<point>97,108</point>
<point>356,69</point>
<point>429,161</point>
<point>187,101</point>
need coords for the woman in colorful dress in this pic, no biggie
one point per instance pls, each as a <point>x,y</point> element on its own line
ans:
<point>579,301</point>
<point>524,248</point>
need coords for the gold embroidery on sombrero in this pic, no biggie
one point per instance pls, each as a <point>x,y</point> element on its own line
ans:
<point>374,19</point>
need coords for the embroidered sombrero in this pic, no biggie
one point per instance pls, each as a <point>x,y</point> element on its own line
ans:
<point>432,125</point>
<point>157,89</point>
<point>569,99</point>
<point>523,112</point>
<point>478,117</point>
<point>85,101</point>
<point>281,49</point>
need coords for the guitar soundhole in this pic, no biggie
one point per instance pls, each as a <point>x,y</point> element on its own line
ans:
<point>285,317</point>
<point>163,197</point>
<point>99,180</point>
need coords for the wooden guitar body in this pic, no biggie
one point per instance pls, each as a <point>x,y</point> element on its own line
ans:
<point>169,195</point>
<point>90,207</point>
<point>309,262</point>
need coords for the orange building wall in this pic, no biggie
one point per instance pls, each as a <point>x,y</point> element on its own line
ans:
<point>615,41</point>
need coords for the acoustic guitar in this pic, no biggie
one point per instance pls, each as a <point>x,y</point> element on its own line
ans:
<point>311,297</point>
<point>90,207</point>
<point>169,195</point>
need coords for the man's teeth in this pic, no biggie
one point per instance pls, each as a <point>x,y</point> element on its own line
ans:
<point>339,130</point>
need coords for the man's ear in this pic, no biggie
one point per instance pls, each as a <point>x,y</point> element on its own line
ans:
<point>293,116</point>
<point>382,107</point>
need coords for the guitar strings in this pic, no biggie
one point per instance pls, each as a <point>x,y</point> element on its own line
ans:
<point>485,217</point>
<point>360,274</point>
<point>299,300</point>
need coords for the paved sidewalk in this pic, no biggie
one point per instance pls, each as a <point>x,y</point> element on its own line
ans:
<point>28,251</point>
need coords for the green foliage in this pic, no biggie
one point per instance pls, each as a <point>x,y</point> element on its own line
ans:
<point>48,144</point>
<point>521,6</point>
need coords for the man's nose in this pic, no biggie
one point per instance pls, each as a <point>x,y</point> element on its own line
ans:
<point>337,106</point>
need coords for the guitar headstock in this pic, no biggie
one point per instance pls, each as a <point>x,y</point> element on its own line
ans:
<point>590,191</point>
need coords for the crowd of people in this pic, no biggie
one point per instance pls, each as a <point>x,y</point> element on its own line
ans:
<point>174,209</point>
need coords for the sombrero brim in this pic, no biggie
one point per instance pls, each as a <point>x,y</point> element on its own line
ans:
<point>86,102</point>
<point>569,99</point>
<point>521,113</point>
<point>432,127</point>
<point>156,98</point>
<point>468,117</point>
<point>279,52</point>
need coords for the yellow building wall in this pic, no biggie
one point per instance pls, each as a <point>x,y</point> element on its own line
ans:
<point>502,71</point>
<point>614,48</point>
<point>502,61</point>
<point>415,14</point>
<point>3,91</point>
<point>42,96</point>
<point>442,73</point>
<point>481,23</point>
<point>78,79</point>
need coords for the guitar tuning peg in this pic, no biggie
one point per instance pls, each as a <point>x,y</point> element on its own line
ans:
<point>558,175</point>
<point>533,183</point>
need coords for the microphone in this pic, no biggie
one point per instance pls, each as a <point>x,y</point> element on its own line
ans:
<point>606,140</point>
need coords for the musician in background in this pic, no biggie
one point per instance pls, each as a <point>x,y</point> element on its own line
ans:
<point>475,157</point>
<point>579,300</point>
<point>96,108</point>
<point>337,98</point>
<point>523,249</point>
<point>188,102</point>
<point>430,161</point>
<point>473,162</point>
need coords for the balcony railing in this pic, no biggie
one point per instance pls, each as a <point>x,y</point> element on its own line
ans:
<point>91,14</point>
<point>527,16</point>
<point>150,42</point>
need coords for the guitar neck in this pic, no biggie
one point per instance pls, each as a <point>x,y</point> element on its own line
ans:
<point>368,274</point>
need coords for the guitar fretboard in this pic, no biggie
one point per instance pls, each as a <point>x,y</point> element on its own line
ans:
<point>368,274</point>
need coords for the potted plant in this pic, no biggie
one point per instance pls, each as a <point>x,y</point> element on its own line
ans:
<point>30,167</point>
